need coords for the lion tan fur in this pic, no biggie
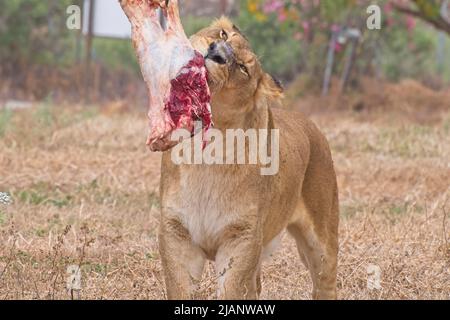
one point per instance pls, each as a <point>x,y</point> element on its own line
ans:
<point>231,213</point>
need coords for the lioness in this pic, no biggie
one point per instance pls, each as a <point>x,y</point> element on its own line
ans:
<point>231,213</point>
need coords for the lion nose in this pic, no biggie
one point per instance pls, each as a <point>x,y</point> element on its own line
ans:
<point>220,52</point>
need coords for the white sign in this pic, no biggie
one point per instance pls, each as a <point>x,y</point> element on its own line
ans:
<point>109,19</point>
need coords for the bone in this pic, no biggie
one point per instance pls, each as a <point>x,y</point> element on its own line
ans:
<point>173,17</point>
<point>142,14</point>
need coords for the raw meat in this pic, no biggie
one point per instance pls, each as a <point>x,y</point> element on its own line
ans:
<point>174,72</point>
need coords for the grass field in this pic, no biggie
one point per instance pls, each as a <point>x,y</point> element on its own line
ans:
<point>85,192</point>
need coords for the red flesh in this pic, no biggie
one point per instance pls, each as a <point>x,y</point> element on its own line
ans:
<point>190,96</point>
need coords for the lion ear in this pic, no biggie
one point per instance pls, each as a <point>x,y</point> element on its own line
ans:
<point>270,86</point>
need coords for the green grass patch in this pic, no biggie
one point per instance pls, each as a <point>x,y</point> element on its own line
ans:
<point>351,210</point>
<point>99,268</point>
<point>94,192</point>
<point>37,124</point>
<point>446,124</point>
<point>154,201</point>
<point>408,142</point>
<point>44,194</point>
<point>2,217</point>
<point>395,211</point>
<point>44,115</point>
<point>5,121</point>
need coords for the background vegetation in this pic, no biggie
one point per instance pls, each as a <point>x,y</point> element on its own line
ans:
<point>84,188</point>
<point>291,37</point>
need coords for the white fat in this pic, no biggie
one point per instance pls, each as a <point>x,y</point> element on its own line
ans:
<point>181,55</point>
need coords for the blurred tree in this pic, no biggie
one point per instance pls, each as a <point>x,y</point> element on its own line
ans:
<point>402,48</point>
<point>434,12</point>
<point>33,31</point>
<point>290,36</point>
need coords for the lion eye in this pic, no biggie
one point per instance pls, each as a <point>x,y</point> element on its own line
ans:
<point>243,69</point>
<point>223,35</point>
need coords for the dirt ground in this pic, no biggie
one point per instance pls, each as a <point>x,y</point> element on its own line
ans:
<point>85,193</point>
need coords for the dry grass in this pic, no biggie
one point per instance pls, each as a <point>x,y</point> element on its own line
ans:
<point>85,193</point>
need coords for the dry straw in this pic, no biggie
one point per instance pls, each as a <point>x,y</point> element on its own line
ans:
<point>85,191</point>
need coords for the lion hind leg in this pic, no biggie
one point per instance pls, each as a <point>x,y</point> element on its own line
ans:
<point>318,251</point>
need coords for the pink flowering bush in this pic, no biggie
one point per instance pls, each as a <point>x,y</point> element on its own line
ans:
<point>294,35</point>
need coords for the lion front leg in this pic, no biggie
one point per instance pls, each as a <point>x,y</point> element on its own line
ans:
<point>182,261</point>
<point>237,264</point>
